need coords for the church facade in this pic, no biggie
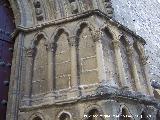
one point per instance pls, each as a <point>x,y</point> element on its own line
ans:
<point>72,61</point>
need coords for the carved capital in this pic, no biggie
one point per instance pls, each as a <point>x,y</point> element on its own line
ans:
<point>144,60</point>
<point>74,7</point>
<point>73,41</point>
<point>30,52</point>
<point>97,35</point>
<point>140,49</point>
<point>116,43</point>
<point>38,9</point>
<point>51,47</point>
<point>130,50</point>
<point>37,4</point>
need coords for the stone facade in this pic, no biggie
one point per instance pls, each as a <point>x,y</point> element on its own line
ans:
<point>72,61</point>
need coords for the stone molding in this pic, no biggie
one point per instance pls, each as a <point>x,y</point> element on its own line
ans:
<point>102,92</point>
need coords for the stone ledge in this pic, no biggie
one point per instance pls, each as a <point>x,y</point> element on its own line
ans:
<point>102,92</point>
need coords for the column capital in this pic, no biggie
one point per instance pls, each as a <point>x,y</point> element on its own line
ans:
<point>30,52</point>
<point>130,50</point>
<point>116,43</point>
<point>97,35</point>
<point>141,52</point>
<point>51,47</point>
<point>144,59</point>
<point>73,40</point>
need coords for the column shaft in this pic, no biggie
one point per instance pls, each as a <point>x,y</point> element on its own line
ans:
<point>134,68</point>
<point>119,62</point>
<point>74,74</point>
<point>50,70</point>
<point>29,75</point>
<point>145,66</point>
<point>100,61</point>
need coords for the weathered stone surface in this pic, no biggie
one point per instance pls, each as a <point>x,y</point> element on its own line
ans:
<point>143,18</point>
<point>83,60</point>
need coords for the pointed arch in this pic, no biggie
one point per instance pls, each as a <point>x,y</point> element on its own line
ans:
<point>40,63</point>
<point>125,113</point>
<point>37,36</point>
<point>109,56</point>
<point>58,31</point>
<point>62,59</point>
<point>158,115</point>
<point>17,11</point>
<point>139,65</point>
<point>124,45</point>
<point>86,54</point>
<point>37,116</point>
<point>144,116</point>
<point>93,112</point>
<point>64,115</point>
<point>80,25</point>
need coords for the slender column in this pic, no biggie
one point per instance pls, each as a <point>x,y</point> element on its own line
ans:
<point>100,61</point>
<point>29,73</point>
<point>143,59</point>
<point>100,57</point>
<point>51,48</point>
<point>74,75</point>
<point>145,66</point>
<point>133,68</point>
<point>119,61</point>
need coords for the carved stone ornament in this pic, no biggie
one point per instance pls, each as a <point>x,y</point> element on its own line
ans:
<point>140,48</point>
<point>30,52</point>
<point>108,7</point>
<point>130,50</point>
<point>38,9</point>
<point>51,47</point>
<point>72,41</point>
<point>116,43</point>
<point>74,7</point>
<point>97,35</point>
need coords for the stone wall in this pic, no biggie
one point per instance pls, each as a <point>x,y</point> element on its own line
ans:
<point>142,16</point>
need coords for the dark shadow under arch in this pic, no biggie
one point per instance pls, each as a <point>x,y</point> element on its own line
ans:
<point>125,115</point>
<point>144,116</point>
<point>37,118</point>
<point>64,116</point>
<point>94,114</point>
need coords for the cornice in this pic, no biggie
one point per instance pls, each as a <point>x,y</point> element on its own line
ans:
<point>75,17</point>
<point>103,93</point>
